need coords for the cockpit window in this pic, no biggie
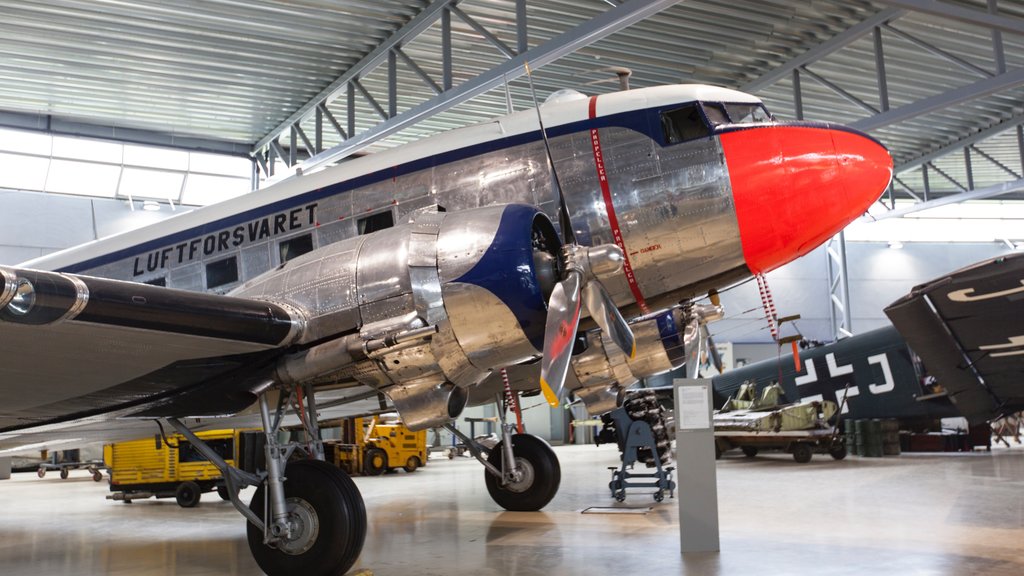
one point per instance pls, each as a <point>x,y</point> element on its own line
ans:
<point>747,113</point>
<point>682,124</point>
<point>715,113</point>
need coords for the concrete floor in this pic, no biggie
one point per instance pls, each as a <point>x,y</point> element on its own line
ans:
<point>914,514</point>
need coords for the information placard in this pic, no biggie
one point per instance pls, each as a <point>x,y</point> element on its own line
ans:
<point>694,408</point>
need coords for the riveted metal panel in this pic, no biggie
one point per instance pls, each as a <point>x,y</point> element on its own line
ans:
<point>382,269</point>
<point>387,308</point>
<point>461,242</point>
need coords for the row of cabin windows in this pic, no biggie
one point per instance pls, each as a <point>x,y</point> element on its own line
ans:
<point>224,272</point>
<point>698,119</point>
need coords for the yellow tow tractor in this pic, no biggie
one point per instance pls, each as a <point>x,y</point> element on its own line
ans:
<point>371,445</point>
<point>172,467</point>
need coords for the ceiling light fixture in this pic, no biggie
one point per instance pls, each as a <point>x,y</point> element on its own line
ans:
<point>150,205</point>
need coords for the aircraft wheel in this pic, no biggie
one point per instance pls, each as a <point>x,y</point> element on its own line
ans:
<point>837,451</point>
<point>375,462</point>
<point>222,491</point>
<point>802,453</point>
<point>412,464</point>
<point>541,475</point>
<point>187,495</point>
<point>328,521</point>
<point>64,472</point>
<point>749,451</point>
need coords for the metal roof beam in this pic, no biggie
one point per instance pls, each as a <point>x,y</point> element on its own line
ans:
<point>989,132</point>
<point>938,52</point>
<point>827,47</point>
<point>424,20</point>
<point>987,192</point>
<point>62,127</point>
<point>599,27</point>
<point>494,40</point>
<point>961,14</point>
<point>953,97</point>
<point>994,161</point>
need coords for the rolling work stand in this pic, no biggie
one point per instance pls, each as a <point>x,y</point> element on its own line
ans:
<point>635,435</point>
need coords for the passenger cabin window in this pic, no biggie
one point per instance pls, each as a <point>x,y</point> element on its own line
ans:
<point>683,124</point>
<point>375,222</point>
<point>161,281</point>
<point>222,272</point>
<point>295,247</point>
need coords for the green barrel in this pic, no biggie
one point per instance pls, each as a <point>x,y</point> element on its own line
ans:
<point>872,431</point>
<point>851,437</point>
<point>860,430</point>
<point>891,437</point>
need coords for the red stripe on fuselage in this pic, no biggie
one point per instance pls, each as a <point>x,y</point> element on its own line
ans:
<point>613,221</point>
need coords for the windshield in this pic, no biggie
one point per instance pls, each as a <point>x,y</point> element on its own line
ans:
<point>745,113</point>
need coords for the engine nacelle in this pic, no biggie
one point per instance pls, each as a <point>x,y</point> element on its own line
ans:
<point>664,342</point>
<point>471,287</point>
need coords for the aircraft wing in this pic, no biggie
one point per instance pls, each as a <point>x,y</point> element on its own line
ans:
<point>968,328</point>
<point>73,348</point>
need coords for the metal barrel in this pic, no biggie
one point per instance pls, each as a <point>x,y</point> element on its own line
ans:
<point>891,437</point>
<point>872,438</point>
<point>860,429</point>
<point>850,428</point>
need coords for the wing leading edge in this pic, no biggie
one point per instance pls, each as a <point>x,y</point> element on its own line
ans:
<point>76,346</point>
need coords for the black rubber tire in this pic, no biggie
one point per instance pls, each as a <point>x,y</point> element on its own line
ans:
<point>97,476</point>
<point>188,494</point>
<point>64,472</point>
<point>340,513</point>
<point>375,462</point>
<point>801,453</point>
<point>838,451</point>
<point>222,491</point>
<point>547,475</point>
<point>41,472</point>
<point>749,451</point>
<point>412,464</point>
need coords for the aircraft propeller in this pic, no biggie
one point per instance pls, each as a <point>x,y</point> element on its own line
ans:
<point>581,272</point>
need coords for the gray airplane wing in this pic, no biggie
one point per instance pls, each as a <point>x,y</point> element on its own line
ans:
<point>968,328</point>
<point>75,347</point>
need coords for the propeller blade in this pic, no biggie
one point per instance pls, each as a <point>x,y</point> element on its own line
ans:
<point>716,359</point>
<point>559,336</point>
<point>607,316</point>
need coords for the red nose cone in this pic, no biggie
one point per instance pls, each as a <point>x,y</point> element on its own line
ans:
<point>796,186</point>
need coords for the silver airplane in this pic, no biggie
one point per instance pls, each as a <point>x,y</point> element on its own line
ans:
<point>567,244</point>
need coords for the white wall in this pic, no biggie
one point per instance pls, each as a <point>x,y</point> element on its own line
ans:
<point>34,223</point>
<point>878,276</point>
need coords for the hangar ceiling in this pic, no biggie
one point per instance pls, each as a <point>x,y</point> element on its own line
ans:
<point>939,82</point>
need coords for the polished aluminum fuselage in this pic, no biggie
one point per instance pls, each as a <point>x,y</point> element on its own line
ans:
<point>673,205</point>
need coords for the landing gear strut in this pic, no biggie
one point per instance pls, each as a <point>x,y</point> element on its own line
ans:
<point>306,517</point>
<point>521,472</point>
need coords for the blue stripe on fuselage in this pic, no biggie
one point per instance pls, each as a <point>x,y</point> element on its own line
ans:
<point>645,121</point>
<point>506,270</point>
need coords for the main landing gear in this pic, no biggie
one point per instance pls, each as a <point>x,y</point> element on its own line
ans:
<point>522,471</point>
<point>306,517</point>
